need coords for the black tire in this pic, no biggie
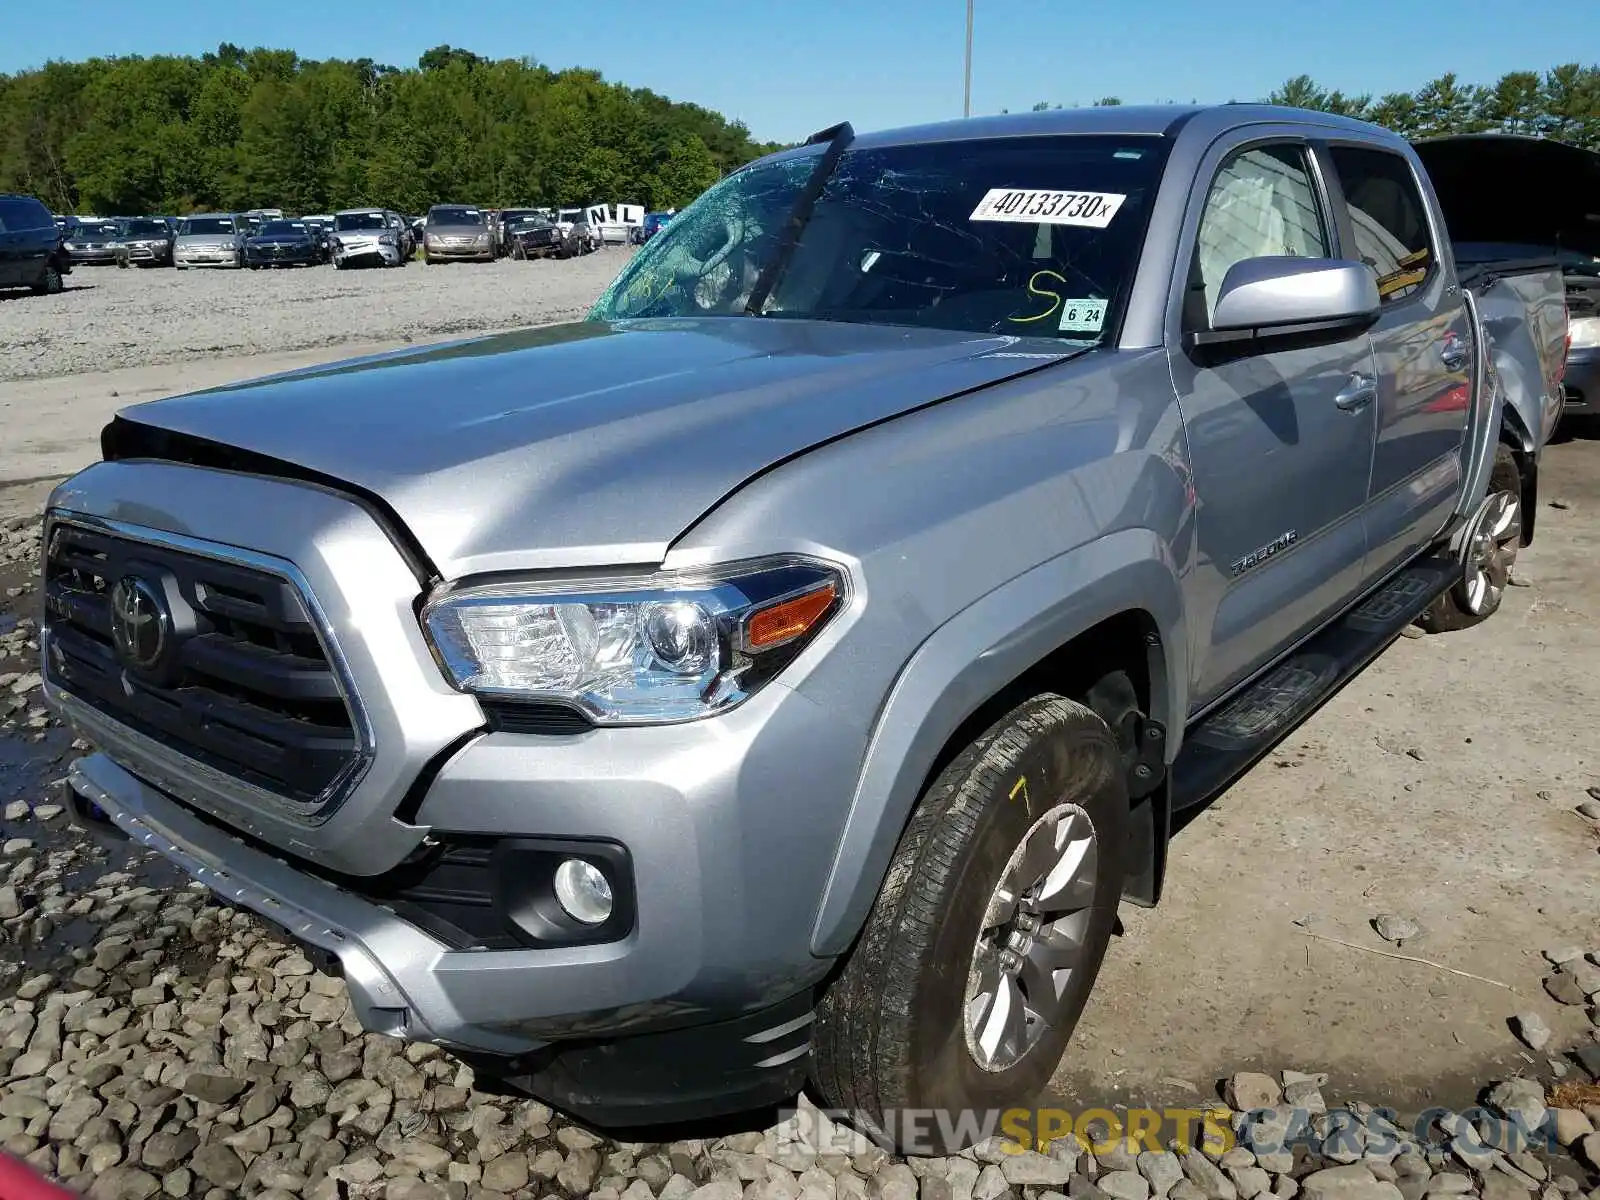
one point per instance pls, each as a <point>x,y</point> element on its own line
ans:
<point>49,282</point>
<point>891,1030</point>
<point>1452,611</point>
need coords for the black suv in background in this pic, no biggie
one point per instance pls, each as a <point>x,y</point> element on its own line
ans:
<point>31,253</point>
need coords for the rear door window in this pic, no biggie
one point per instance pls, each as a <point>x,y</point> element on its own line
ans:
<point>1388,218</point>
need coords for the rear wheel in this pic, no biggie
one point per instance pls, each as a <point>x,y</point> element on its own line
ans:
<point>1490,552</point>
<point>984,943</point>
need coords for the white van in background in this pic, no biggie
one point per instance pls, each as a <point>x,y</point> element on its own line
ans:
<point>614,223</point>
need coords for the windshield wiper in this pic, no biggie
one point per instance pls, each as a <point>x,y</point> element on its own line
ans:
<point>838,137</point>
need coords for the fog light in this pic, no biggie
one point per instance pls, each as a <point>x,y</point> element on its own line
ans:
<point>583,891</point>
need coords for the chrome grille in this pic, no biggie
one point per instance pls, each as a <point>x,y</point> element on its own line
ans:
<point>242,683</point>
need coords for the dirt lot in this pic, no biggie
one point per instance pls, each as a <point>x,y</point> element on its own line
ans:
<point>109,318</point>
<point>1440,787</point>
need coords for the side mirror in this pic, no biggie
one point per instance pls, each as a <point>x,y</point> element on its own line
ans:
<point>1291,299</point>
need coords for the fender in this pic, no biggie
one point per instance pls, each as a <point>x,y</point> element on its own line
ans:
<point>969,659</point>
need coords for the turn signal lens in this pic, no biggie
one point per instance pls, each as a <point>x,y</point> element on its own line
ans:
<point>789,619</point>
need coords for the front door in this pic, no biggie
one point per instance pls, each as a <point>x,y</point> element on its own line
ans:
<point>1424,354</point>
<point>1280,442</point>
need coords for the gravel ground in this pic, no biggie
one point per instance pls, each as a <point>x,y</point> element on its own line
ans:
<point>108,318</point>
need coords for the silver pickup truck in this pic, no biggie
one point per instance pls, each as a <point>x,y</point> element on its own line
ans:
<point>787,671</point>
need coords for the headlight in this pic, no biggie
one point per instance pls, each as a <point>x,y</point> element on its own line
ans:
<point>386,239</point>
<point>668,648</point>
<point>1585,332</point>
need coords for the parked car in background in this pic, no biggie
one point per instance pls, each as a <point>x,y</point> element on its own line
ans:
<point>539,237</point>
<point>650,226</point>
<point>209,240</point>
<point>509,219</point>
<point>321,227</point>
<point>406,239</point>
<point>575,228</point>
<point>283,243</point>
<point>91,242</point>
<point>32,253</point>
<point>367,237</point>
<point>143,242</point>
<point>1581,383</point>
<point>457,232</point>
<point>1556,225</point>
<point>613,224</point>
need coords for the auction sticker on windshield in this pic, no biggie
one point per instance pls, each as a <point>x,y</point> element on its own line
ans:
<point>1092,209</point>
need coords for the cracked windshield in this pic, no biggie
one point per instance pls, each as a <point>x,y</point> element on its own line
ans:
<point>1034,237</point>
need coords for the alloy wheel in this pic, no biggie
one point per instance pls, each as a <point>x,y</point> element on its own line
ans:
<point>1032,939</point>
<point>1491,552</point>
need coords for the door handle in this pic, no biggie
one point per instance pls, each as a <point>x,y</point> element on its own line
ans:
<point>1454,354</point>
<point>1361,391</point>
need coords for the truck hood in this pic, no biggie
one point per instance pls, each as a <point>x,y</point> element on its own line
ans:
<point>587,444</point>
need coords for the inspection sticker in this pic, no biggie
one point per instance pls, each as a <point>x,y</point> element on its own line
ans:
<point>1082,316</point>
<point>1094,209</point>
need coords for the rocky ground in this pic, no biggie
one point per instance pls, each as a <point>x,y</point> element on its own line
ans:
<point>154,1043</point>
<point>108,318</point>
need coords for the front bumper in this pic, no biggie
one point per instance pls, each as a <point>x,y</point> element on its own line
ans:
<point>1581,383</point>
<point>207,258</point>
<point>82,258</point>
<point>475,253</point>
<point>403,983</point>
<point>367,253</point>
<point>286,258</point>
<point>540,249</point>
<point>147,254</point>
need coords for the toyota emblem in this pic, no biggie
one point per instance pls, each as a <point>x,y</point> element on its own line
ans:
<point>140,623</point>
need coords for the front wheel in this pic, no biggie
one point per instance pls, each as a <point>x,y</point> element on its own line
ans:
<point>49,282</point>
<point>1490,552</point>
<point>983,945</point>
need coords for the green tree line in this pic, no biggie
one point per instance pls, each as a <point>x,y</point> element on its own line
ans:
<point>1562,103</point>
<point>242,129</point>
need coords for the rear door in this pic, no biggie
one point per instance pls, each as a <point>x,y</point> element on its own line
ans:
<point>1423,346</point>
<point>1280,441</point>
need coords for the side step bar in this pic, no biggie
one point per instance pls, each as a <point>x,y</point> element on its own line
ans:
<point>1229,740</point>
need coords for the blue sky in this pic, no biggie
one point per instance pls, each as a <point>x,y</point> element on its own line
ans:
<point>786,69</point>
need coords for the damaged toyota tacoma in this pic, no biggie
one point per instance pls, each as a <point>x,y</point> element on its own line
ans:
<point>786,671</point>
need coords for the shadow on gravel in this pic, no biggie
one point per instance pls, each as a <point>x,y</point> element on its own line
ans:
<point>40,848</point>
<point>29,295</point>
<point>1585,428</point>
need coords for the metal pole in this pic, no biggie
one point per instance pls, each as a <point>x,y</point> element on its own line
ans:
<point>966,101</point>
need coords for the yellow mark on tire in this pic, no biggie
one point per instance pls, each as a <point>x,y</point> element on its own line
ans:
<point>1021,785</point>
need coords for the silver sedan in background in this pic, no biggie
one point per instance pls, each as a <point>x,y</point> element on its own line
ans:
<point>368,236</point>
<point>209,240</point>
<point>457,231</point>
